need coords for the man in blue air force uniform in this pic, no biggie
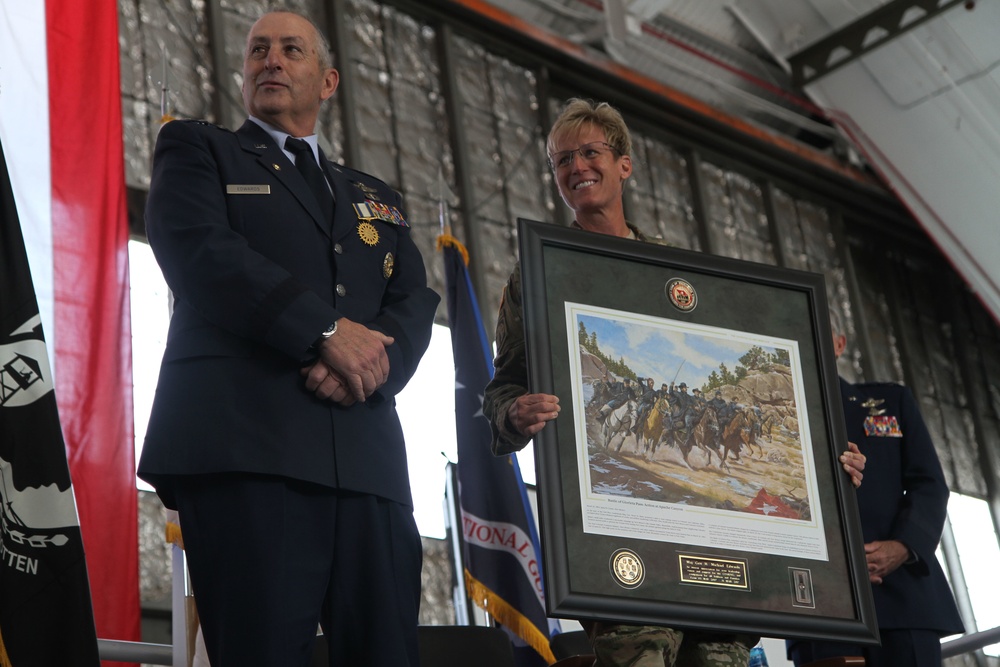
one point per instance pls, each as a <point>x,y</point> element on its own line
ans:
<point>903,504</point>
<point>301,311</point>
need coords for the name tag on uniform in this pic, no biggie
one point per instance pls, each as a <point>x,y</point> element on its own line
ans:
<point>248,189</point>
<point>882,426</point>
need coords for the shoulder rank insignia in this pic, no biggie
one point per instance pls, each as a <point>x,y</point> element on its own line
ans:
<point>882,426</point>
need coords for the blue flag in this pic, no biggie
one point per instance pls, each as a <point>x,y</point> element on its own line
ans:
<point>503,570</point>
<point>46,616</point>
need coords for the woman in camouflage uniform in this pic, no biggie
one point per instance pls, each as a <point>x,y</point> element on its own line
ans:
<point>589,151</point>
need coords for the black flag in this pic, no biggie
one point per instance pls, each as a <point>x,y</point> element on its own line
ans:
<point>46,616</point>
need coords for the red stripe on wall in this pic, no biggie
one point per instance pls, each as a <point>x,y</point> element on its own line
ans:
<point>92,327</point>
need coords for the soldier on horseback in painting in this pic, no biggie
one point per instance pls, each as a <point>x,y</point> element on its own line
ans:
<point>689,410</point>
<point>680,395</point>
<point>647,398</point>
<point>622,393</point>
<point>699,399</point>
<point>727,413</point>
<point>701,404</point>
<point>717,403</point>
<point>602,392</point>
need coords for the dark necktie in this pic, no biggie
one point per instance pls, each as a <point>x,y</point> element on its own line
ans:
<point>306,163</point>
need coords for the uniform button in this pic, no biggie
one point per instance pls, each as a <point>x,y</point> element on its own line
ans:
<point>339,249</point>
<point>341,290</point>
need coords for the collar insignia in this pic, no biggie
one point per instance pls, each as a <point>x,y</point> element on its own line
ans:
<point>369,192</point>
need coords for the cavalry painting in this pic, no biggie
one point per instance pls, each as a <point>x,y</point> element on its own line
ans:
<point>691,415</point>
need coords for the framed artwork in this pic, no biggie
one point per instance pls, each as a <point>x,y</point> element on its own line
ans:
<point>692,477</point>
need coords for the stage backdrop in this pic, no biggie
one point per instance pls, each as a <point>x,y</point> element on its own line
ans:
<point>61,128</point>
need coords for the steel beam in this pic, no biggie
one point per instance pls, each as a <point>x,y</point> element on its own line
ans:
<point>338,28</point>
<point>864,35</point>
<point>217,45</point>
<point>448,58</point>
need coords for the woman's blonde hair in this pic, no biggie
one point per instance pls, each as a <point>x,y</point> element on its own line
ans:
<point>579,112</point>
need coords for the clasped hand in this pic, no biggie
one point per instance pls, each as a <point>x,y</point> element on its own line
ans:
<point>884,557</point>
<point>352,364</point>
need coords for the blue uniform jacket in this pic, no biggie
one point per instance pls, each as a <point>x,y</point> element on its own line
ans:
<point>904,497</point>
<point>257,274</point>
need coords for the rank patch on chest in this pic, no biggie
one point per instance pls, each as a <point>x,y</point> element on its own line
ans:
<point>375,210</point>
<point>882,426</point>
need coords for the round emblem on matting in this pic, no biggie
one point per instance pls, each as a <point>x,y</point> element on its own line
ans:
<point>681,294</point>
<point>368,233</point>
<point>627,568</point>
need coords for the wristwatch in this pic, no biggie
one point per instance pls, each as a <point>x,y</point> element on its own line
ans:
<point>330,330</point>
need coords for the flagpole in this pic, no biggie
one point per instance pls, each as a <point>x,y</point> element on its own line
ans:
<point>165,116</point>
<point>443,205</point>
<point>453,512</point>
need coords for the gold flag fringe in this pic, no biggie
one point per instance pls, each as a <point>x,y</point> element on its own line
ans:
<point>173,534</point>
<point>508,617</point>
<point>4,658</point>
<point>449,240</point>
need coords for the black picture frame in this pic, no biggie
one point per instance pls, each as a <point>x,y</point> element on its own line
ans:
<point>669,542</point>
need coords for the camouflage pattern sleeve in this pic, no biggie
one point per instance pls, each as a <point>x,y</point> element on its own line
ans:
<point>510,375</point>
